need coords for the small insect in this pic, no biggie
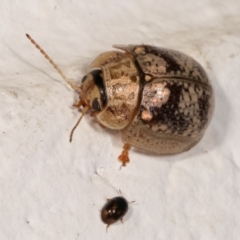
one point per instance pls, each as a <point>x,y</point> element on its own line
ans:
<point>160,99</point>
<point>114,210</point>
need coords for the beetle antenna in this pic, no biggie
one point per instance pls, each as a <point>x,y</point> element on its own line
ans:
<point>84,111</point>
<point>52,63</point>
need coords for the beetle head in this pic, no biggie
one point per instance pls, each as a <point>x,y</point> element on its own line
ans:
<point>92,91</point>
<point>92,97</point>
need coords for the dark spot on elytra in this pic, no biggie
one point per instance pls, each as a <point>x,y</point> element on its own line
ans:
<point>172,65</point>
<point>166,113</point>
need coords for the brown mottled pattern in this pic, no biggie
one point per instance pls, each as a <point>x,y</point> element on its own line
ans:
<point>167,63</point>
<point>189,117</point>
<point>180,122</point>
<point>140,136</point>
<point>177,64</point>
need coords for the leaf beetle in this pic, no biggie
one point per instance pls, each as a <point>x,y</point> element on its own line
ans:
<point>160,99</point>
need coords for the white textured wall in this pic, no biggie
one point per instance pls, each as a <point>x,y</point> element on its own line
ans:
<point>49,188</point>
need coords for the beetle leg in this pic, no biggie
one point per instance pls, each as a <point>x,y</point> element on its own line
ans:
<point>107,199</point>
<point>121,221</point>
<point>124,155</point>
<point>107,227</point>
<point>79,104</point>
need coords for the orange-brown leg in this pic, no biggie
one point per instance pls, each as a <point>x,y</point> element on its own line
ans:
<point>78,104</point>
<point>124,155</point>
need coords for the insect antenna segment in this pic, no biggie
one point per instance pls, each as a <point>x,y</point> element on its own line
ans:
<point>80,103</point>
<point>52,63</point>
<point>84,111</point>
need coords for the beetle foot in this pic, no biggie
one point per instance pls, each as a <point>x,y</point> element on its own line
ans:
<point>107,227</point>
<point>124,155</point>
<point>79,104</point>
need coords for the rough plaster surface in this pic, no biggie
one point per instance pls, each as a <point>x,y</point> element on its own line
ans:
<point>53,189</point>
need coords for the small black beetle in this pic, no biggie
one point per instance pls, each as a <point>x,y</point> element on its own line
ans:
<point>114,210</point>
